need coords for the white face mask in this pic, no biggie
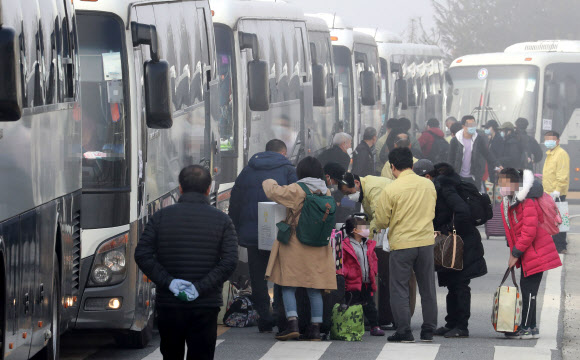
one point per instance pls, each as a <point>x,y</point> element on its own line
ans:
<point>354,197</point>
<point>349,152</point>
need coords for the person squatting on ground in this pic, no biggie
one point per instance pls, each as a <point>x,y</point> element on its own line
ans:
<point>452,213</point>
<point>360,265</point>
<point>246,194</point>
<point>188,250</point>
<point>295,264</point>
<point>531,247</point>
<point>407,208</point>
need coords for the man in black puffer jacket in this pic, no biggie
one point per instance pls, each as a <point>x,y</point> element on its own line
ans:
<point>451,211</point>
<point>189,250</point>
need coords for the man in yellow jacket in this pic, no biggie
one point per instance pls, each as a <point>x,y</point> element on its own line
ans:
<point>365,190</point>
<point>407,208</point>
<point>556,177</point>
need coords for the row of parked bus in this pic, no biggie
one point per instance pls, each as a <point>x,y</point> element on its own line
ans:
<point>102,102</point>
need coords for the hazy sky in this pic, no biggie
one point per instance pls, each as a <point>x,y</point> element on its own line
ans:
<point>391,15</point>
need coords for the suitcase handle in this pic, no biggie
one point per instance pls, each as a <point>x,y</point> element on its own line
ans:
<point>507,273</point>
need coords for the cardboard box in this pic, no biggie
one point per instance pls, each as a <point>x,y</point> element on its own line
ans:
<point>269,214</point>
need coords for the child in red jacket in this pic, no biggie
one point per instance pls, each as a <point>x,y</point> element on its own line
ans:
<point>360,267</point>
<point>532,248</point>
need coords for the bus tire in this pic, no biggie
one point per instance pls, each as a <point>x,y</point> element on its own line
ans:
<point>52,349</point>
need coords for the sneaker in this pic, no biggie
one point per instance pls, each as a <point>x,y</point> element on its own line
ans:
<point>457,333</point>
<point>442,331</point>
<point>523,334</point>
<point>536,333</point>
<point>376,331</point>
<point>407,337</point>
<point>389,327</point>
<point>426,335</point>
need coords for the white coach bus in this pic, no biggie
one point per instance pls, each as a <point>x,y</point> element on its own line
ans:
<point>356,62</point>
<point>539,81</point>
<point>40,182</point>
<point>324,125</point>
<point>265,82</point>
<point>412,78</point>
<point>149,74</point>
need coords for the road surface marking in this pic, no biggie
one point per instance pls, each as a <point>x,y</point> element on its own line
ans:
<point>527,353</point>
<point>156,355</point>
<point>307,350</point>
<point>548,321</point>
<point>417,351</point>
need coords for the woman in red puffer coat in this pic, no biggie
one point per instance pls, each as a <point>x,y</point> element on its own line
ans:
<point>531,247</point>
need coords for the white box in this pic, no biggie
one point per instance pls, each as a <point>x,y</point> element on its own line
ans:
<point>269,214</point>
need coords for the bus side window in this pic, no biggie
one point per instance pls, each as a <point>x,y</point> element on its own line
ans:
<point>563,79</point>
<point>205,48</point>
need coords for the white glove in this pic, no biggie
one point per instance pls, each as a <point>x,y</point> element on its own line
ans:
<point>555,195</point>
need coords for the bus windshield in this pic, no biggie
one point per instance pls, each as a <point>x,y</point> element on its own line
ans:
<point>224,40</point>
<point>104,138</point>
<point>500,92</point>
<point>343,68</point>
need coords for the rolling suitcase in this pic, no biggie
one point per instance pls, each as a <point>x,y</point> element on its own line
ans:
<point>494,226</point>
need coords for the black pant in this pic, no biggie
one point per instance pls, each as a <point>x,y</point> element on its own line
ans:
<point>529,288</point>
<point>458,305</point>
<point>257,263</point>
<point>560,239</point>
<point>196,327</point>
<point>365,298</point>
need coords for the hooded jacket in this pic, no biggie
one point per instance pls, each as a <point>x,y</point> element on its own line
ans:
<point>452,211</point>
<point>427,138</point>
<point>248,192</point>
<point>479,155</point>
<point>527,240</point>
<point>352,268</point>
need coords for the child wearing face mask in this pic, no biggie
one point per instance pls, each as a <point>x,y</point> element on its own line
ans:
<point>360,266</point>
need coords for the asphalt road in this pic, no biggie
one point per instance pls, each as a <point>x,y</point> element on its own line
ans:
<point>483,344</point>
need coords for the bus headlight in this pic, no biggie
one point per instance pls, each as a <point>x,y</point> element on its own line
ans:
<point>109,265</point>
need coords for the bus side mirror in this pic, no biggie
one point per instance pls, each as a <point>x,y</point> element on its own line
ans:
<point>258,74</point>
<point>401,94</point>
<point>144,34</point>
<point>258,87</point>
<point>158,95</point>
<point>10,86</point>
<point>368,88</point>
<point>552,95</point>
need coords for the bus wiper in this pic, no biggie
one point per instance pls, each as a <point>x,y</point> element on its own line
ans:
<point>485,110</point>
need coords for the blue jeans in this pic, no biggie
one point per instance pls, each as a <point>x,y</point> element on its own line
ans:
<point>315,296</point>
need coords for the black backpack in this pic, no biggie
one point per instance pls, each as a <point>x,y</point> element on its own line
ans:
<point>479,204</point>
<point>439,150</point>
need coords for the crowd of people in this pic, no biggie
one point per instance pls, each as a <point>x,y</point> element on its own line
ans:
<point>408,185</point>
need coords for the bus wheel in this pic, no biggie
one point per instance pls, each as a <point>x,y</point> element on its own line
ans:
<point>52,350</point>
<point>136,339</point>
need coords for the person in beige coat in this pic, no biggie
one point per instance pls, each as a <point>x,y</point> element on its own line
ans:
<point>294,264</point>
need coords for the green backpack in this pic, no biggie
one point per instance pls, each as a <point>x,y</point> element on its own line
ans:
<point>317,218</point>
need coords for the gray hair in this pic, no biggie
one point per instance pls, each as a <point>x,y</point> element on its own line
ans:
<point>369,133</point>
<point>341,138</point>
